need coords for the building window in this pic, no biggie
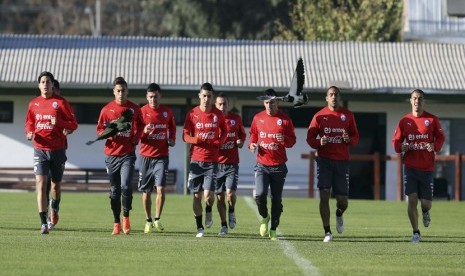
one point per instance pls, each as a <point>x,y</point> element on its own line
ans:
<point>301,117</point>
<point>6,112</point>
<point>87,113</point>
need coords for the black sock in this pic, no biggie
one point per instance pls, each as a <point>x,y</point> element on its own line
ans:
<point>231,210</point>
<point>223,223</point>
<point>43,217</point>
<point>125,213</point>
<point>116,217</point>
<point>339,213</point>
<point>149,220</point>
<point>327,229</point>
<point>208,209</point>
<point>424,211</point>
<point>55,205</point>
<point>198,220</point>
<point>157,219</point>
<point>416,232</point>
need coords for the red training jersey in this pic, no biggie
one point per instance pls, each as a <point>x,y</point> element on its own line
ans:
<point>47,136</point>
<point>205,131</point>
<point>417,131</point>
<point>123,142</point>
<point>333,124</point>
<point>263,132</point>
<point>155,143</point>
<point>229,152</point>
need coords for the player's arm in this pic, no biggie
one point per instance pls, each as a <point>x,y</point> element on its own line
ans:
<point>312,134</point>
<point>398,139</point>
<point>29,125</point>
<point>439,137</point>
<point>289,138</point>
<point>171,130</point>
<point>187,132</point>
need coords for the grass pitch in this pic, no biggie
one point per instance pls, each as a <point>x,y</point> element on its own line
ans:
<point>376,240</point>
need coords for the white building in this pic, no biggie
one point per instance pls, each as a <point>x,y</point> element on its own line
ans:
<point>376,79</point>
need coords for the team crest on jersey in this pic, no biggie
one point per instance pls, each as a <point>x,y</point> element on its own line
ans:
<point>165,114</point>
<point>343,117</point>
<point>233,123</point>
<point>427,123</point>
<point>279,122</point>
<point>55,105</point>
<point>132,110</point>
<point>215,119</point>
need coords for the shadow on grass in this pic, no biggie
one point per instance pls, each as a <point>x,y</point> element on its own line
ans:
<point>250,236</point>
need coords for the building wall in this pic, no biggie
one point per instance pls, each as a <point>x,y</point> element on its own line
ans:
<point>19,150</point>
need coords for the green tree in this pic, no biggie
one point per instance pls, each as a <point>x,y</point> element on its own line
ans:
<point>342,20</point>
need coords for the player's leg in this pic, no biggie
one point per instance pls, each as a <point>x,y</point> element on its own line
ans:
<point>341,192</point>
<point>127,172</point>
<point>425,194</point>
<point>113,169</point>
<point>145,185</point>
<point>161,169</point>
<point>277,178</point>
<point>41,170</point>
<point>231,187</point>
<point>262,182</point>
<point>411,190</point>
<point>57,167</point>
<point>325,180</point>
<point>209,184</point>
<point>194,183</point>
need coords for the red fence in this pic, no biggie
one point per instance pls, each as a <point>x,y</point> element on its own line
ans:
<point>377,158</point>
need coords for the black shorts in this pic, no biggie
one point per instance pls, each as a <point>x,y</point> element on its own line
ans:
<point>202,176</point>
<point>152,173</point>
<point>333,174</point>
<point>419,182</point>
<point>50,163</point>
<point>227,177</point>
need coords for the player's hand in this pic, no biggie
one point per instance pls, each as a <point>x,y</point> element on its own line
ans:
<point>280,137</point>
<point>53,120</point>
<point>171,142</point>
<point>29,136</point>
<point>253,147</point>
<point>239,143</point>
<point>346,137</point>
<point>67,131</point>
<point>323,140</point>
<point>404,147</point>
<point>148,128</point>
<point>429,147</point>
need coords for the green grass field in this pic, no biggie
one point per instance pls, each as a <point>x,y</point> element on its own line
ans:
<point>376,240</point>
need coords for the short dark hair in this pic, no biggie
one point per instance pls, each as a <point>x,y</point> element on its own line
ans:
<point>419,91</point>
<point>335,88</point>
<point>207,86</point>
<point>223,95</point>
<point>56,84</point>
<point>120,81</point>
<point>47,74</point>
<point>153,87</point>
<point>270,92</point>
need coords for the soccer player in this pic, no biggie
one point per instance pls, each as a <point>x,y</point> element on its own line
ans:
<point>51,226</point>
<point>332,130</point>
<point>49,119</point>
<point>159,134</point>
<point>120,153</point>
<point>205,130</point>
<point>228,163</point>
<point>418,135</point>
<point>271,132</point>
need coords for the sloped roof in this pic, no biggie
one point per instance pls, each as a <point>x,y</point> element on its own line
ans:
<point>184,63</point>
